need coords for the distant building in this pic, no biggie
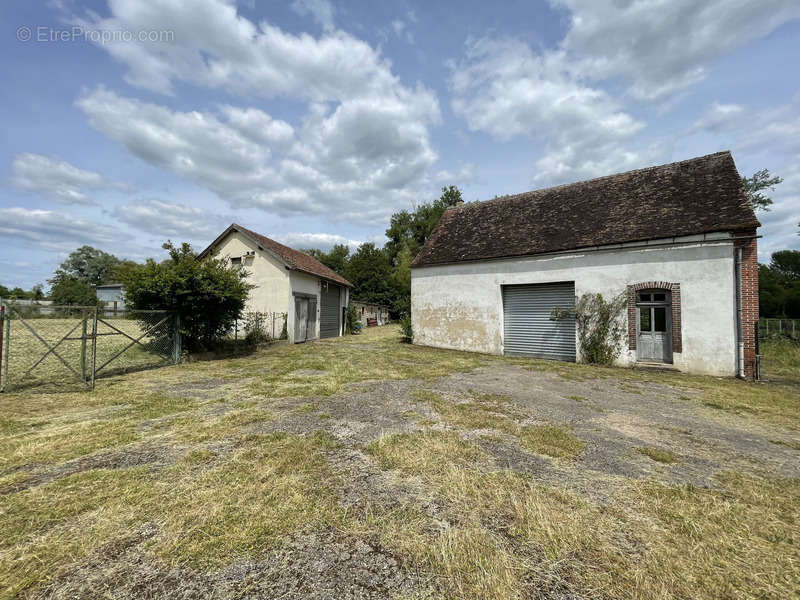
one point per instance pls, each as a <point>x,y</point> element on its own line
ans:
<point>371,314</point>
<point>111,295</point>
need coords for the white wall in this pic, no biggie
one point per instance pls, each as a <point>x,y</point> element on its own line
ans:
<point>460,306</point>
<point>267,273</point>
<point>304,283</point>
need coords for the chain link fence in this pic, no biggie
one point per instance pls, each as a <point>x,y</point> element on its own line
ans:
<point>70,346</point>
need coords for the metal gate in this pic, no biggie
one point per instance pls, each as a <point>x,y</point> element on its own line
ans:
<point>329,311</point>
<point>539,320</point>
<point>58,345</point>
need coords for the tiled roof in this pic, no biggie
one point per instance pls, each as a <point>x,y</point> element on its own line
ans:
<point>293,258</point>
<point>700,195</point>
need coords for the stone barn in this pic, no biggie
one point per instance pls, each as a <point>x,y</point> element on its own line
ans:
<point>679,240</point>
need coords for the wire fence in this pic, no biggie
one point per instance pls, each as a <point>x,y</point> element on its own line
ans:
<point>788,328</point>
<point>259,327</point>
<point>68,346</point>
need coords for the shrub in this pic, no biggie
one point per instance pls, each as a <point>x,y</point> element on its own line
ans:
<point>353,324</point>
<point>68,289</point>
<point>255,329</point>
<point>405,328</point>
<point>600,328</point>
<point>207,295</point>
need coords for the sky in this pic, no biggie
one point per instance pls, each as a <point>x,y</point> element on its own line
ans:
<point>129,123</point>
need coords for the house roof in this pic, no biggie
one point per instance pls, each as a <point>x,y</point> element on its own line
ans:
<point>700,195</point>
<point>294,259</point>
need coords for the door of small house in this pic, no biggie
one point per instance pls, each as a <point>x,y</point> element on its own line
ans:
<point>654,340</point>
<point>305,318</point>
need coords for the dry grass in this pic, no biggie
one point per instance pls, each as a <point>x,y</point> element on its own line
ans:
<point>220,490</point>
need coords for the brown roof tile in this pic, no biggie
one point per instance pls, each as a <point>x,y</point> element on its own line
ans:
<point>294,258</point>
<point>700,195</point>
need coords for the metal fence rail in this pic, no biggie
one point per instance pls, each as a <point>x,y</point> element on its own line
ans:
<point>61,345</point>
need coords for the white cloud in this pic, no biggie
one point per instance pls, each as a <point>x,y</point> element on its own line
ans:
<point>320,10</point>
<point>57,231</point>
<point>719,117</point>
<point>359,161</point>
<point>320,241</point>
<point>172,220</point>
<point>402,31</point>
<point>57,179</point>
<point>663,46</point>
<point>463,175</point>
<point>503,88</point>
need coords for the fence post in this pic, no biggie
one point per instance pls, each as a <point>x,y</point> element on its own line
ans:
<point>83,346</point>
<point>2,327</point>
<point>176,345</point>
<point>94,346</point>
<point>5,350</point>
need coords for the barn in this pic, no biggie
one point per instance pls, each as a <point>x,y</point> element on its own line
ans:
<point>678,240</point>
<point>286,280</point>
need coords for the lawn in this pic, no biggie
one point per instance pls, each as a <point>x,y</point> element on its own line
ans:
<point>370,468</point>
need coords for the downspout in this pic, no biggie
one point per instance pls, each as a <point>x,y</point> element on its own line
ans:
<point>739,326</point>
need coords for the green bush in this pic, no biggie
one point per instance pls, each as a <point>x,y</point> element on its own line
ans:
<point>600,327</point>
<point>405,329</point>
<point>68,289</point>
<point>353,325</point>
<point>207,295</point>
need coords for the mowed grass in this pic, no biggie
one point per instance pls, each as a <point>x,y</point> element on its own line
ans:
<point>191,463</point>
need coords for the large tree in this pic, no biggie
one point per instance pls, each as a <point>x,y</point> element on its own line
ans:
<point>755,184</point>
<point>68,289</point>
<point>91,265</point>
<point>370,272</point>
<point>779,285</point>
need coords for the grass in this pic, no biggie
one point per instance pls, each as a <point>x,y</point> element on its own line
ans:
<point>781,358</point>
<point>663,456</point>
<point>222,487</point>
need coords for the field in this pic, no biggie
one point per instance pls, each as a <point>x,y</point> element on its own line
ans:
<point>25,348</point>
<point>363,467</point>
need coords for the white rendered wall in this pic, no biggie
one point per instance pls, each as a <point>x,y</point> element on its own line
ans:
<point>461,306</point>
<point>267,273</point>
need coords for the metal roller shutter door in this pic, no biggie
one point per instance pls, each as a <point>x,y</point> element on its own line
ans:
<point>329,311</point>
<point>527,327</point>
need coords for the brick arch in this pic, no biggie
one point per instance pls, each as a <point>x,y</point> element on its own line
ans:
<point>675,292</point>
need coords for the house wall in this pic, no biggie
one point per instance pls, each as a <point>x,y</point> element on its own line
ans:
<point>304,283</point>
<point>460,306</point>
<point>267,273</point>
<point>371,311</point>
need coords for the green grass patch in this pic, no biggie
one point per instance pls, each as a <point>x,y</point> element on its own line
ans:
<point>663,456</point>
<point>551,440</point>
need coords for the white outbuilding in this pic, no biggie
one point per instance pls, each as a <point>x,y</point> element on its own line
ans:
<point>679,240</point>
<point>313,297</point>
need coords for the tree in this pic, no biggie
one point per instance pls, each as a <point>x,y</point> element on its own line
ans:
<point>336,259</point>
<point>68,289</point>
<point>4,292</point>
<point>91,265</point>
<point>370,272</point>
<point>779,285</point>
<point>207,295</point>
<point>760,180</point>
<point>37,292</point>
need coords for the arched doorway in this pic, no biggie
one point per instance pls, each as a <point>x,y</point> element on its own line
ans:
<point>654,329</point>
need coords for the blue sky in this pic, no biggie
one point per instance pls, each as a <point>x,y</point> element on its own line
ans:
<point>127,123</point>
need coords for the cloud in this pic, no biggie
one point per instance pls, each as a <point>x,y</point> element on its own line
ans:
<point>57,179</point>
<point>401,30</point>
<point>719,117</point>
<point>320,10</point>
<point>172,220</point>
<point>57,231</point>
<point>503,88</point>
<point>662,47</point>
<point>320,241</point>
<point>359,161</point>
<point>463,175</point>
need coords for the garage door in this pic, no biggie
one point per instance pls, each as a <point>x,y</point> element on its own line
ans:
<point>329,311</point>
<point>528,328</point>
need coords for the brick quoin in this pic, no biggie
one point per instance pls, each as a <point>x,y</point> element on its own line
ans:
<point>675,292</point>
<point>749,301</point>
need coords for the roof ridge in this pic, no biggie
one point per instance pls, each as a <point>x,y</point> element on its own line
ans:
<point>591,180</point>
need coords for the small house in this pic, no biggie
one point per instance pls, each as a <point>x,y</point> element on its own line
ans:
<point>678,240</point>
<point>111,296</point>
<point>313,297</point>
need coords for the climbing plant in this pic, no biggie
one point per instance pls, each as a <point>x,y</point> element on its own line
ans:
<point>601,328</point>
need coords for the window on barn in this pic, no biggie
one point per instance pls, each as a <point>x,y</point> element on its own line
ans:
<point>236,260</point>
